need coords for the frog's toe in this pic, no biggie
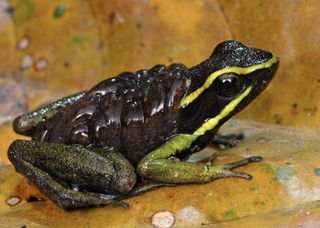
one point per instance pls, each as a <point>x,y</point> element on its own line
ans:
<point>243,162</point>
<point>139,190</point>
<point>225,173</point>
<point>225,143</point>
<point>109,200</point>
<point>227,140</point>
<point>121,204</point>
<point>239,136</point>
<point>227,169</point>
<point>230,144</point>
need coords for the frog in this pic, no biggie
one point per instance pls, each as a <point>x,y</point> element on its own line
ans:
<point>93,148</point>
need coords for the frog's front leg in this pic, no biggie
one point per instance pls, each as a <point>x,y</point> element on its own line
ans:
<point>157,165</point>
<point>26,124</point>
<point>73,176</point>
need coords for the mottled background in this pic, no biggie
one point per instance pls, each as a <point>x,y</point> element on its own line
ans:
<point>51,48</point>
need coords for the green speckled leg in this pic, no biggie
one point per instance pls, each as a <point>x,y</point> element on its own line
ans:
<point>227,140</point>
<point>80,174</point>
<point>26,124</point>
<point>158,166</point>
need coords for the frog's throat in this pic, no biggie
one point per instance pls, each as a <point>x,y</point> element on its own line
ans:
<point>238,70</point>
<point>213,122</point>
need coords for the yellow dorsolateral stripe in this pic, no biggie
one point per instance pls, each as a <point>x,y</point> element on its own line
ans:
<point>211,123</point>
<point>238,70</point>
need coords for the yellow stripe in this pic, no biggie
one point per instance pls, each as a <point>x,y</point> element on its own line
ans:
<point>210,124</point>
<point>238,70</point>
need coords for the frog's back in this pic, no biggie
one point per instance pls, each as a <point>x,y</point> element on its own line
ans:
<point>131,113</point>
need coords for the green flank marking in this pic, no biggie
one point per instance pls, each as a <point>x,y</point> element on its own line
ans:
<point>229,214</point>
<point>285,172</point>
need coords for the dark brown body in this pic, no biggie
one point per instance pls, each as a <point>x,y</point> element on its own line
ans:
<point>131,113</point>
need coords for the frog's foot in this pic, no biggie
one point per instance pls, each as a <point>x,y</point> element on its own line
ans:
<point>227,140</point>
<point>53,167</point>
<point>139,190</point>
<point>227,169</point>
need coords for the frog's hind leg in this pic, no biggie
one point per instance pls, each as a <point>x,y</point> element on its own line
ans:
<point>25,124</point>
<point>58,169</point>
<point>227,140</point>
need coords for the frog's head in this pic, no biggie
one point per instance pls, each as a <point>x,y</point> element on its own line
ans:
<point>226,83</point>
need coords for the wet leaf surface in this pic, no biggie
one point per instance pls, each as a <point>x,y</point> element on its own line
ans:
<point>50,49</point>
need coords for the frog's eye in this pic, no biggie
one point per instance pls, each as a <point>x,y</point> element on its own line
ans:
<point>228,85</point>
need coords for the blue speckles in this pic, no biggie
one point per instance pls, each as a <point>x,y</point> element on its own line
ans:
<point>317,171</point>
<point>59,11</point>
<point>285,172</point>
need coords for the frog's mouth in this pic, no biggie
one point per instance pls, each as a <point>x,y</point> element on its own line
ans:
<point>259,80</point>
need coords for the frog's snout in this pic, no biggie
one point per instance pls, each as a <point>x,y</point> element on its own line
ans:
<point>268,73</point>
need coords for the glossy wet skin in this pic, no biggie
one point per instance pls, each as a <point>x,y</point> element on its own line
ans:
<point>126,113</point>
<point>139,120</point>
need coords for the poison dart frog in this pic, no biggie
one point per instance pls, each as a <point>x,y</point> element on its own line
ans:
<point>89,149</point>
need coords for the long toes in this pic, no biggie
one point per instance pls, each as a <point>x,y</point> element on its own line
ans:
<point>239,136</point>
<point>96,199</point>
<point>224,144</point>
<point>121,204</point>
<point>233,143</point>
<point>109,200</point>
<point>114,203</point>
<point>160,184</point>
<point>255,159</point>
<point>229,173</point>
<point>243,162</point>
<point>243,175</point>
